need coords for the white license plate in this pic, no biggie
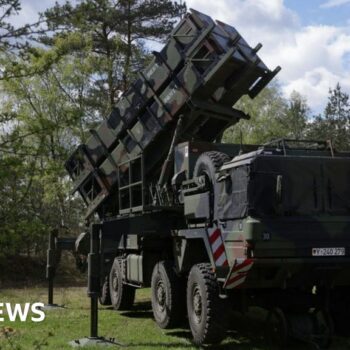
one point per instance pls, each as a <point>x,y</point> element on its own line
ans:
<point>328,251</point>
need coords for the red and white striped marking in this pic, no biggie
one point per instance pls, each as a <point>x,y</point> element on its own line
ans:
<point>238,274</point>
<point>217,247</point>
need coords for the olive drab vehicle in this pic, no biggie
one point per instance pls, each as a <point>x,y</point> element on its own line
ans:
<point>212,226</point>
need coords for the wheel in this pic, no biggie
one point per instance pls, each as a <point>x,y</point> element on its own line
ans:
<point>206,313</point>
<point>323,328</point>
<point>208,164</point>
<point>105,297</point>
<point>276,328</point>
<point>339,306</point>
<point>168,295</point>
<point>122,295</point>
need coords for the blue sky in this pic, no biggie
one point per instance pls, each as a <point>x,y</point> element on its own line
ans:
<point>310,39</point>
<point>321,12</point>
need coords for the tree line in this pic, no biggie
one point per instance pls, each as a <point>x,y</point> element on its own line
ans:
<point>275,116</point>
<point>62,74</point>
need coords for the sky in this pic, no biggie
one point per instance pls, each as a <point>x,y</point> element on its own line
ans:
<point>309,39</point>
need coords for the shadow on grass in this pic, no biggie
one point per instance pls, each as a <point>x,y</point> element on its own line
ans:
<point>141,309</point>
<point>162,345</point>
<point>246,332</point>
<point>238,343</point>
<point>138,307</point>
<point>142,306</point>
<point>238,339</point>
<point>137,314</point>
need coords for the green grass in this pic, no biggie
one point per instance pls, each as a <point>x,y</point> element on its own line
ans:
<point>135,329</point>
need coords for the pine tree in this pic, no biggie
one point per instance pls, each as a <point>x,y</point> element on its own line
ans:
<point>8,33</point>
<point>296,116</point>
<point>53,93</point>
<point>334,124</point>
<point>272,117</point>
<point>113,36</point>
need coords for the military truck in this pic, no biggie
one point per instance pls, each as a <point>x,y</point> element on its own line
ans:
<point>211,226</point>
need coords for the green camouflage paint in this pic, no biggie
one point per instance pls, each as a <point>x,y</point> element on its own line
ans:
<point>203,62</point>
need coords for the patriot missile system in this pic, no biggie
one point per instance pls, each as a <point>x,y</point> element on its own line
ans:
<point>212,226</point>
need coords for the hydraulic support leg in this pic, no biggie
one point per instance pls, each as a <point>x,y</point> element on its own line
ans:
<point>94,263</point>
<point>94,278</point>
<point>51,269</point>
<point>51,265</point>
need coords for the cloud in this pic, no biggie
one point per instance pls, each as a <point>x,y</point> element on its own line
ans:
<point>28,14</point>
<point>315,84</point>
<point>246,13</point>
<point>313,58</point>
<point>334,3</point>
<point>31,9</point>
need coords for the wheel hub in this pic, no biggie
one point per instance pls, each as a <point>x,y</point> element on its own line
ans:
<point>197,304</point>
<point>115,283</point>
<point>161,296</point>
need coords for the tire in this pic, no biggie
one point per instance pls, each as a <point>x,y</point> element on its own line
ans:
<point>323,328</point>
<point>339,306</point>
<point>208,163</point>
<point>105,297</point>
<point>168,296</point>
<point>276,329</point>
<point>122,295</point>
<point>206,312</point>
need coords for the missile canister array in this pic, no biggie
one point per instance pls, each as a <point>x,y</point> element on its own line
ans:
<point>203,70</point>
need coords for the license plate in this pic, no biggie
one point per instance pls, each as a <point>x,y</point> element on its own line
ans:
<point>328,251</point>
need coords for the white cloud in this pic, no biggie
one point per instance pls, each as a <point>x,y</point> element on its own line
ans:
<point>30,11</point>
<point>313,58</point>
<point>28,14</point>
<point>334,3</point>
<point>315,84</point>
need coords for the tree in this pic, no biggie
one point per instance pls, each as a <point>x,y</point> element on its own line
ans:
<point>112,36</point>
<point>9,35</point>
<point>14,40</point>
<point>272,117</point>
<point>58,92</point>
<point>47,124</point>
<point>335,122</point>
<point>296,117</point>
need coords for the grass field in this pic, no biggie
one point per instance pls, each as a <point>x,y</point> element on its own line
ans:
<point>134,329</point>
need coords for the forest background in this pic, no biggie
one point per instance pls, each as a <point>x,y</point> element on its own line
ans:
<point>62,74</point>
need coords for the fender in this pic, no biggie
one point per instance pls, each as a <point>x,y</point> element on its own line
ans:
<point>209,241</point>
